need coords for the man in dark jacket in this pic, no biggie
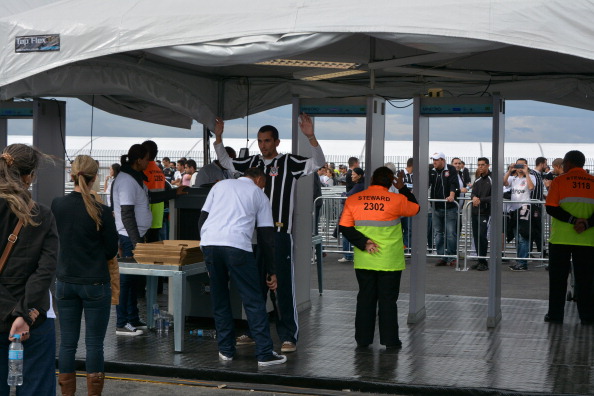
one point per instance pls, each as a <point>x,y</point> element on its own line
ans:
<point>443,183</point>
<point>353,163</point>
<point>481,211</point>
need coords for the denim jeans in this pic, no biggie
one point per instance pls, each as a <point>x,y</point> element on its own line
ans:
<point>346,246</point>
<point>446,231</point>
<point>522,248</point>
<point>227,263</point>
<point>127,309</point>
<point>72,300</point>
<point>406,223</point>
<point>39,367</point>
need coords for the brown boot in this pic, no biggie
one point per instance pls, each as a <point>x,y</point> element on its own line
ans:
<point>95,383</point>
<point>67,383</point>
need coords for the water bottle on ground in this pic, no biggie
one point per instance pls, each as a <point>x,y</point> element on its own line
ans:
<point>15,362</point>
<point>159,322</point>
<point>204,333</point>
<point>157,319</point>
<point>167,321</point>
<point>156,312</point>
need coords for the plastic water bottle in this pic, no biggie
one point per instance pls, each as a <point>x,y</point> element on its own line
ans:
<point>157,323</point>
<point>15,362</point>
<point>204,333</point>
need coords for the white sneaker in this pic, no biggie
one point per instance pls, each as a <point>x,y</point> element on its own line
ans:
<point>128,330</point>
<point>343,260</point>
<point>225,358</point>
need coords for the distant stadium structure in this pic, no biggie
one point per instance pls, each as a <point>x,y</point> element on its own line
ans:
<point>108,150</point>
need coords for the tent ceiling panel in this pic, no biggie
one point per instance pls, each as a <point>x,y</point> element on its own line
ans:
<point>170,62</point>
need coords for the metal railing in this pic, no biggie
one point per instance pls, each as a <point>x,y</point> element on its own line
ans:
<point>537,224</point>
<point>326,217</point>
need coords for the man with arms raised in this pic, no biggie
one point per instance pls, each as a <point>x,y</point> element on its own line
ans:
<point>282,172</point>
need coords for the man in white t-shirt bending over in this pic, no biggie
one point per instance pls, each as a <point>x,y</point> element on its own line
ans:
<point>232,210</point>
<point>521,183</point>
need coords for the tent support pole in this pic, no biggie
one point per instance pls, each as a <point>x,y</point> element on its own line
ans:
<point>496,243</point>
<point>416,312</point>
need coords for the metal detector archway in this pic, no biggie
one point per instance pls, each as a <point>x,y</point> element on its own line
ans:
<point>424,109</point>
<point>373,109</point>
<point>49,134</point>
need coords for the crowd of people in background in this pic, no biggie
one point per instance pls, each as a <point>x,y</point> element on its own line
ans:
<point>452,186</point>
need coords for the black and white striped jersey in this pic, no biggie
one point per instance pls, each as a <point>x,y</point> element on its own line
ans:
<point>408,179</point>
<point>282,173</point>
<point>538,191</point>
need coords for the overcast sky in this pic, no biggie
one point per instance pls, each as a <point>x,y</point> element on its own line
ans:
<point>525,121</point>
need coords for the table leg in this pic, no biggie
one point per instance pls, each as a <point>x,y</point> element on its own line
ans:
<point>151,298</point>
<point>318,255</point>
<point>179,311</point>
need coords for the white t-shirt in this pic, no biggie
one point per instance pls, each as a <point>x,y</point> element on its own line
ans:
<point>519,191</point>
<point>126,191</point>
<point>177,175</point>
<point>235,207</point>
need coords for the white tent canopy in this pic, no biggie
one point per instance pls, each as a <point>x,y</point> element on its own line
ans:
<point>173,61</point>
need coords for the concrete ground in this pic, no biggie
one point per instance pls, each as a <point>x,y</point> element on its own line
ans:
<point>135,385</point>
<point>532,285</point>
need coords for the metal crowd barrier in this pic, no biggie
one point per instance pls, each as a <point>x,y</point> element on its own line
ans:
<point>327,239</point>
<point>538,233</point>
<point>325,222</point>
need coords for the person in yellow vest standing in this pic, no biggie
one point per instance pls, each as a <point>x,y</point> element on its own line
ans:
<point>570,203</point>
<point>155,183</point>
<point>159,192</point>
<point>371,222</point>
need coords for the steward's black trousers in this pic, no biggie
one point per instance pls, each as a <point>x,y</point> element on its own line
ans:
<point>560,260</point>
<point>378,292</point>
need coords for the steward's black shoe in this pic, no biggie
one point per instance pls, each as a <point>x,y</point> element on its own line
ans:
<point>548,319</point>
<point>396,345</point>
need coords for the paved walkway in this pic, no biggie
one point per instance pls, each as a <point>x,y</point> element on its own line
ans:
<point>450,352</point>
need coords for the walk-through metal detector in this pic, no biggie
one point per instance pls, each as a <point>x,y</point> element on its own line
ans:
<point>371,107</point>
<point>424,109</point>
<point>49,135</point>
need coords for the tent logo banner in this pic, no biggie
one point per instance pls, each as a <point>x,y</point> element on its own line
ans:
<point>49,42</point>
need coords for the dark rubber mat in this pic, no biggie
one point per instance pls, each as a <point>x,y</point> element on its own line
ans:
<point>450,352</point>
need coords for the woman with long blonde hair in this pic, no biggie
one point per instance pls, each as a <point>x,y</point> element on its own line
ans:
<point>88,239</point>
<point>25,279</point>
